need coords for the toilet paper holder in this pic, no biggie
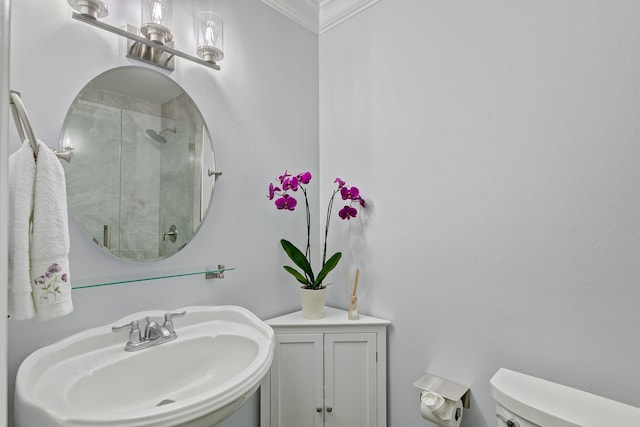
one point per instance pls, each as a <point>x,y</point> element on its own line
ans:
<point>445,388</point>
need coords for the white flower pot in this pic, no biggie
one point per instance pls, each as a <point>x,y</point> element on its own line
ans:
<point>313,302</point>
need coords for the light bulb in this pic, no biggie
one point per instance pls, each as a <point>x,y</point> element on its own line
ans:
<point>209,36</point>
<point>156,20</point>
<point>211,33</point>
<point>156,12</point>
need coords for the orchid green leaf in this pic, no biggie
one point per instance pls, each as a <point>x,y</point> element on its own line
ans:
<point>298,258</point>
<point>295,273</point>
<point>326,269</point>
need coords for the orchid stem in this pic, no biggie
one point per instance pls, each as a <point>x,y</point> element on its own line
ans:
<point>326,227</point>
<point>306,205</point>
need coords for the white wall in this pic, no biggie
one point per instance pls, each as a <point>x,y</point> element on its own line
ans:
<point>496,139</point>
<point>262,112</point>
<point>4,198</point>
<point>499,143</point>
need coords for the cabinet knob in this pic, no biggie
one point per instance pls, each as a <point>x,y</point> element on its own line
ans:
<point>329,409</point>
<point>318,409</point>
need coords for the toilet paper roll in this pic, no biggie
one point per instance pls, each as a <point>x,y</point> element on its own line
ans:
<point>439,410</point>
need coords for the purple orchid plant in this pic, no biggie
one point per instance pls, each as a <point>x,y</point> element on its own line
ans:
<point>282,192</point>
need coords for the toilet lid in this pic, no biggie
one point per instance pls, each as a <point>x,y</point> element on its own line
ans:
<point>554,405</point>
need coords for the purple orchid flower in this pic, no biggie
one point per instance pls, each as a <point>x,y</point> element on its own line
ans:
<point>284,176</point>
<point>290,184</point>
<point>350,193</point>
<point>286,202</point>
<point>272,191</point>
<point>304,177</point>
<point>348,212</point>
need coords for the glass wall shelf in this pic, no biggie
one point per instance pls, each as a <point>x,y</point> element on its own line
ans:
<point>209,273</point>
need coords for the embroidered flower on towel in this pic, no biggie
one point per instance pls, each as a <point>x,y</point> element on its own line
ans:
<point>49,284</point>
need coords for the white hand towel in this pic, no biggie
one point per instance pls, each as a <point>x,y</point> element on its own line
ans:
<point>22,173</point>
<point>50,278</point>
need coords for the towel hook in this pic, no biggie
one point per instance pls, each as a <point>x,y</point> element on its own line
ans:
<point>22,120</point>
<point>23,125</point>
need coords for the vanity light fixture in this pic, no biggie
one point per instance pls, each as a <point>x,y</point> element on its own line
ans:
<point>93,8</point>
<point>156,20</point>
<point>209,36</point>
<point>153,41</point>
<point>155,27</point>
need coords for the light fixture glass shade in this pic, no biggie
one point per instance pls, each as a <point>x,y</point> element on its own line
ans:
<point>209,36</point>
<point>156,20</point>
<point>92,8</point>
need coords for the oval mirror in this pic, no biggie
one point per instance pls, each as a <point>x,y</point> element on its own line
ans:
<point>142,170</point>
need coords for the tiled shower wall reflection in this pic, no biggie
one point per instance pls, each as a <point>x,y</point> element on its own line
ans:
<point>132,177</point>
<point>180,178</point>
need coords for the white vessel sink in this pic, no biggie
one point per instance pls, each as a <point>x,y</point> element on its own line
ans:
<point>216,363</point>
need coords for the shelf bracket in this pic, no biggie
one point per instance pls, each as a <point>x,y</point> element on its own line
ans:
<point>216,274</point>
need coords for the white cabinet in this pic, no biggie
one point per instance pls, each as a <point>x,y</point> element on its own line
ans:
<point>328,372</point>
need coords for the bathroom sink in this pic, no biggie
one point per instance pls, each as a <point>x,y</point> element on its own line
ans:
<point>214,365</point>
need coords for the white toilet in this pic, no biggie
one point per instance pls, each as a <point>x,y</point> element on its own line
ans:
<point>526,401</point>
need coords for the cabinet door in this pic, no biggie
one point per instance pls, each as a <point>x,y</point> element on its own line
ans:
<point>296,381</point>
<point>350,380</point>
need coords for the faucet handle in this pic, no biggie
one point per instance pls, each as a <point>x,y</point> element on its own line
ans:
<point>134,332</point>
<point>169,316</point>
<point>168,322</point>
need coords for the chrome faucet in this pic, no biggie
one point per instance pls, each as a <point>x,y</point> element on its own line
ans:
<point>154,333</point>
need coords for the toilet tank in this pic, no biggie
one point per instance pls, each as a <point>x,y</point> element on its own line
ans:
<point>526,401</point>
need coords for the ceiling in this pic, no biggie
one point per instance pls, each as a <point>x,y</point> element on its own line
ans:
<point>319,16</point>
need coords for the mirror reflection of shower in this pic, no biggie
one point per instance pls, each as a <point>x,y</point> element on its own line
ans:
<point>157,136</point>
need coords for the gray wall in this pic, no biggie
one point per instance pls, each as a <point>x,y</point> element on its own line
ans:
<point>498,141</point>
<point>262,112</point>
<point>4,197</point>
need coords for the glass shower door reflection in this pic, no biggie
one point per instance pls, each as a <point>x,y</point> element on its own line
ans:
<point>94,133</point>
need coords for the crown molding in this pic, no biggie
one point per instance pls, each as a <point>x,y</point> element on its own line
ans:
<point>319,16</point>
<point>304,12</point>
<point>335,12</point>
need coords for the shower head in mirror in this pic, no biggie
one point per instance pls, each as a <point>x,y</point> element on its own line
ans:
<point>157,136</point>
